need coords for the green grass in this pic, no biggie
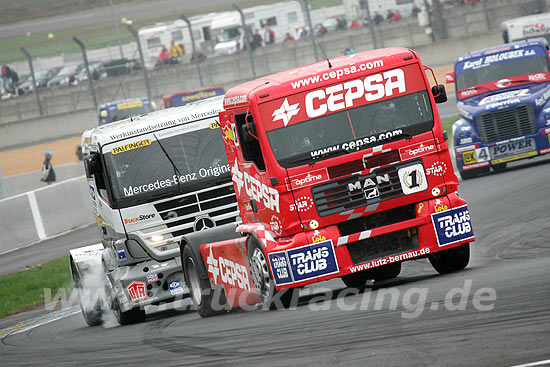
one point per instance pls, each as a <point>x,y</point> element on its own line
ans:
<point>25,290</point>
<point>448,125</point>
<point>103,35</point>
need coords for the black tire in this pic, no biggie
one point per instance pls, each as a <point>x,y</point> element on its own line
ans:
<point>263,282</point>
<point>451,260</point>
<point>385,272</point>
<point>356,280</point>
<point>207,301</point>
<point>92,313</point>
<point>499,167</point>
<point>133,316</point>
<point>468,175</point>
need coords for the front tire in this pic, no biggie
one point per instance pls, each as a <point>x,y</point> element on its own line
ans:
<point>201,292</point>
<point>454,259</point>
<point>133,316</point>
<point>263,282</point>
<point>385,272</point>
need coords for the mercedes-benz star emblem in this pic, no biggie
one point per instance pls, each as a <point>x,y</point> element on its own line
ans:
<point>203,223</point>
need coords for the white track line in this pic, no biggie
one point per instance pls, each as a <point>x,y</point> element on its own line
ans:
<point>26,325</point>
<point>534,364</point>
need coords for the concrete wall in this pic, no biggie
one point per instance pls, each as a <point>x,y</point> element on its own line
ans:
<point>44,212</point>
<point>24,182</point>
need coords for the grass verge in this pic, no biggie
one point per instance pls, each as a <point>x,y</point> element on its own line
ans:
<point>24,290</point>
<point>448,125</point>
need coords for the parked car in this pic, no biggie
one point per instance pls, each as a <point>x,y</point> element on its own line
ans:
<point>330,24</point>
<point>66,76</point>
<point>121,67</point>
<point>42,77</point>
<point>97,70</point>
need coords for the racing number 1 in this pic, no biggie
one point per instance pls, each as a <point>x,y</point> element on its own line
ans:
<point>413,179</point>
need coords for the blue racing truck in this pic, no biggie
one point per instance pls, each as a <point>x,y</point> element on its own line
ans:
<point>120,110</point>
<point>503,101</point>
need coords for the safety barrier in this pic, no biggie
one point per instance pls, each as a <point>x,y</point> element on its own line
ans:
<point>43,213</point>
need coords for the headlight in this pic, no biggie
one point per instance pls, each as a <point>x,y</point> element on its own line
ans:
<point>157,238</point>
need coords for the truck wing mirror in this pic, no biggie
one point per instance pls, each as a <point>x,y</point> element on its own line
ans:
<point>439,93</point>
<point>91,165</point>
<point>450,77</point>
<point>249,131</point>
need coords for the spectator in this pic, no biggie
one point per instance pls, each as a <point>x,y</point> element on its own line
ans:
<point>341,23</point>
<point>269,35</point>
<point>48,174</point>
<point>354,24</point>
<point>297,32</point>
<point>396,16</point>
<point>176,53</point>
<point>163,57</point>
<point>256,40</point>
<point>415,10</point>
<point>288,38</point>
<point>378,18</point>
<point>390,14</point>
<point>322,30</point>
<point>349,51</point>
<point>9,80</point>
<point>303,32</point>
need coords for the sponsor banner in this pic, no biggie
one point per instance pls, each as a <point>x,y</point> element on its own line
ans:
<point>228,272</point>
<point>307,179</point>
<point>352,93</point>
<point>438,169</point>
<point>175,287</point>
<point>131,146</point>
<point>137,291</point>
<point>302,204</point>
<point>417,150</point>
<point>475,165</point>
<point>496,58</point>
<point>515,157</point>
<point>512,148</point>
<point>152,278</point>
<point>121,254</point>
<point>303,263</point>
<point>141,218</point>
<point>545,151</point>
<point>129,104</point>
<point>452,226</point>
<point>475,156</point>
<point>254,188</point>
<point>465,149</point>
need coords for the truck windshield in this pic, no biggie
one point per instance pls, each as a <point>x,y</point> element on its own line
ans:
<point>141,170</point>
<point>123,113</point>
<point>352,129</point>
<point>493,71</point>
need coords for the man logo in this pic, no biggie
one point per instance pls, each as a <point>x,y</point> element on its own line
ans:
<point>203,223</point>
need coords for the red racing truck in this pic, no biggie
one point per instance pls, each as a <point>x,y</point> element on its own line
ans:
<point>341,169</point>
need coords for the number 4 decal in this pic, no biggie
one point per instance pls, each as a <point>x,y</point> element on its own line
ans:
<point>413,179</point>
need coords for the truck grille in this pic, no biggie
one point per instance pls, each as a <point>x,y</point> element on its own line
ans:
<point>505,124</point>
<point>335,197</point>
<point>180,213</point>
<point>375,220</point>
<point>382,246</point>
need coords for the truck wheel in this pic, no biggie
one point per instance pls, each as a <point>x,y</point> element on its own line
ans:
<point>202,294</point>
<point>356,280</point>
<point>451,260</point>
<point>133,316</point>
<point>468,175</point>
<point>385,272</point>
<point>91,312</point>
<point>499,167</point>
<point>264,284</point>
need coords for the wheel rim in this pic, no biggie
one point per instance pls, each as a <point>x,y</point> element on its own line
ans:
<point>260,273</point>
<point>194,282</point>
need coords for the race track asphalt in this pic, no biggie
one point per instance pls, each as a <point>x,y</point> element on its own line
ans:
<point>494,313</point>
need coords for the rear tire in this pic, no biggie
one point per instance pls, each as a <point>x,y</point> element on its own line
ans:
<point>356,280</point>
<point>447,261</point>
<point>263,282</point>
<point>92,313</point>
<point>133,316</point>
<point>499,167</point>
<point>201,292</point>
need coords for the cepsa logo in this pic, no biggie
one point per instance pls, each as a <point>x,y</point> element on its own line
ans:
<point>231,273</point>
<point>255,189</point>
<point>139,219</point>
<point>340,96</point>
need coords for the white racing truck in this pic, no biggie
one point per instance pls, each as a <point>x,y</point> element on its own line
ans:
<point>152,179</point>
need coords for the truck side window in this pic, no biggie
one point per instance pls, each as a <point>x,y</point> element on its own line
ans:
<point>99,177</point>
<point>250,146</point>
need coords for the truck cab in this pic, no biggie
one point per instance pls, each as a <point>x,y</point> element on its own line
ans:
<point>502,99</point>
<point>152,179</point>
<point>123,109</point>
<point>341,169</point>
